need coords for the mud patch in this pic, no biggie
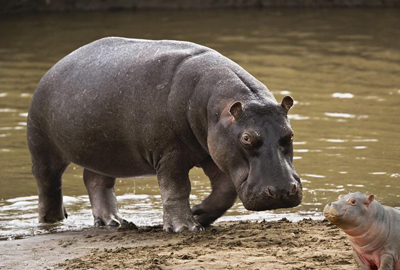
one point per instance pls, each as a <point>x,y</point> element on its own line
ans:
<point>306,244</point>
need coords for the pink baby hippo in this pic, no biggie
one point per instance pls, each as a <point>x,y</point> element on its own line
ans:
<point>372,229</point>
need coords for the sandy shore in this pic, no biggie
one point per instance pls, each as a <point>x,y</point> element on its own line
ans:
<point>307,244</point>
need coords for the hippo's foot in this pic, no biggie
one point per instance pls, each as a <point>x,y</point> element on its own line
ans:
<point>102,199</point>
<point>222,197</point>
<point>110,220</point>
<point>213,207</point>
<point>52,215</point>
<point>206,216</point>
<point>181,223</point>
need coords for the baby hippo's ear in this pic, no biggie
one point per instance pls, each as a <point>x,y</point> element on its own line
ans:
<point>369,199</point>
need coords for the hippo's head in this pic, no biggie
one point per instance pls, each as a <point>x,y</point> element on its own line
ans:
<point>349,211</point>
<point>253,144</point>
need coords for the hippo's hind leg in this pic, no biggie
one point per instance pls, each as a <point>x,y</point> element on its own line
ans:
<point>102,199</point>
<point>222,197</point>
<point>48,165</point>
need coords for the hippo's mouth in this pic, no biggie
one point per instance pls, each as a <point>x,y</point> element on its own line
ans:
<point>333,215</point>
<point>243,177</point>
<point>243,181</point>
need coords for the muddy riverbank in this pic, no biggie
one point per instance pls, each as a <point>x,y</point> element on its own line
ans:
<point>307,244</point>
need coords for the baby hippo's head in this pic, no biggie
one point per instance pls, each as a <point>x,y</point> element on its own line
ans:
<point>349,211</point>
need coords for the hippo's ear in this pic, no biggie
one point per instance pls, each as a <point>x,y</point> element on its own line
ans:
<point>236,109</point>
<point>370,199</point>
<point>287,103</point>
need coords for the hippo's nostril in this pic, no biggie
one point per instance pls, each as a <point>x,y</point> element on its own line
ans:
<point>329,204</point>
<point>271,191</point>
<point>294,190</point>
<point>296,177</point>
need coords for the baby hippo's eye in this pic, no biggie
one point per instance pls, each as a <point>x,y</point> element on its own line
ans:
<point>353,201</point>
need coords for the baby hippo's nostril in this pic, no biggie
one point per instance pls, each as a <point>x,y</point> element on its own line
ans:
<point>271,192</point>
<point>329,204</point>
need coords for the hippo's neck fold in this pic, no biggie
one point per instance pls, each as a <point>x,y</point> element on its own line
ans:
<point>369,237</point>
<point>203,86</point>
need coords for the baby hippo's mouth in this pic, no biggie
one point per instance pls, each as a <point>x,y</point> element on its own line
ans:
<point>332,214</point>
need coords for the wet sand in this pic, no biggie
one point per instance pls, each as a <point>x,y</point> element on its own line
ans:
<point>307,244</point>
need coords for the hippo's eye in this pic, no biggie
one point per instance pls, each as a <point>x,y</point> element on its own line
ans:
<point>353,201</point>
<point>246,139</point>
<point>286,140</point>
<point>250,139</point>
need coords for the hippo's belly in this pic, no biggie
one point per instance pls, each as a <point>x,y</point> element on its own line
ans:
<point>115,159</point>
<point>105,138</point>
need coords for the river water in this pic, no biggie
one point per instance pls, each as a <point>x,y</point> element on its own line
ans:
<point>341,66</point>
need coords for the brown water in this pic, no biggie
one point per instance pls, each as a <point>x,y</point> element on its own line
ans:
<point>341,66</point>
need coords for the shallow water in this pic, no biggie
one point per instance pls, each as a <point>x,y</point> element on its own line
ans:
<point>341,66</point>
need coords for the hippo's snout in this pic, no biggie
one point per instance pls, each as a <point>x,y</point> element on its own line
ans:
<point>270,197</point>
<point>271,191</point>
<point>331,213</point>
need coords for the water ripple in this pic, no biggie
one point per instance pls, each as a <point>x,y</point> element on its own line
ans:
<point>342,95</point>
<point>340,115</point>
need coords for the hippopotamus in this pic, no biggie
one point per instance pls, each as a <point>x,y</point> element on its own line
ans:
<point>372,229</point>
<point>123,107</point>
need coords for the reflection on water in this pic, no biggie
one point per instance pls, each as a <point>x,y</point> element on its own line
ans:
<point>341,66</point>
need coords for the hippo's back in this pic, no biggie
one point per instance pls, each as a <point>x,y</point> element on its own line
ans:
<point>117,62</point>
<point>114,55</point>
<point>395,217</point>
<point>110,76</point>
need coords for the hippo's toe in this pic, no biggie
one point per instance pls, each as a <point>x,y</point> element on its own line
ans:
<point>112,222</point>
<point>98,223</point>
<point>190,224</point>
<point>124,222</point>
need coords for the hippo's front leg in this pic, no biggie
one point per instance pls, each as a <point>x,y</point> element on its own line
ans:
<point>222,197</point>
<point>387,262</point>
<point>359,262</point>
<point>173,179</point>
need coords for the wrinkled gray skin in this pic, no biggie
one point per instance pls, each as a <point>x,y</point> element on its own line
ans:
<point>372,229</point>
<point>124,107</point>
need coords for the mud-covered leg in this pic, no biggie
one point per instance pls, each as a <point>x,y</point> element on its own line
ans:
<point>102,199</point>
<point>175,187</point>
<point>387,262</point>
<point>222,197</point>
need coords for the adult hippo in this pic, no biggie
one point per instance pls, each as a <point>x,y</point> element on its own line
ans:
<point>126,107</point>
